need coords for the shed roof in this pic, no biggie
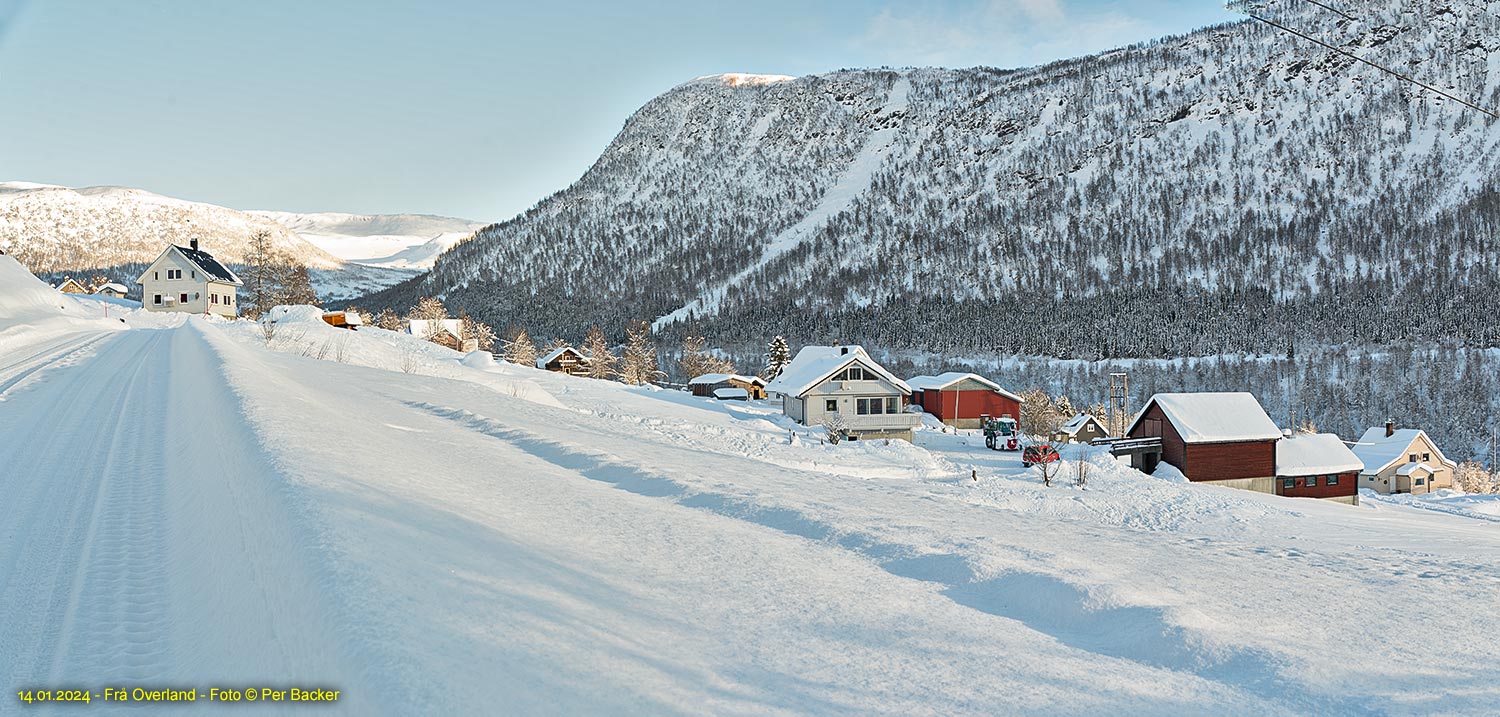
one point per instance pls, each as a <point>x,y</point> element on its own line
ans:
<point>944,380</point>
<point>554,353</point>
<point>1314,454</point>
<point>1214,417</point>
<point>1379,451</point>
<point>731,393</point>
<point>422,328</point>
<point>112,286</point>
<point>1076,424</point>
<point>712,378</point>
<point>814,364</point>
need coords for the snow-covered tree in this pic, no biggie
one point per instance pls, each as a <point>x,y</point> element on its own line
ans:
<point>1039,415</point>
<point>601,359</point>
<point>430,309</point>
<point>520,349</point>
<point>835,427</point>
<point>478,331</point>
<point>389,321</point>
<point>1471,477</point>
<point>639,364</point>
<point>778,355</point>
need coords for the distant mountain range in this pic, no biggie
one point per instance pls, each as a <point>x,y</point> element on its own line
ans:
<point>1232,189</point>
<point>118,230</point>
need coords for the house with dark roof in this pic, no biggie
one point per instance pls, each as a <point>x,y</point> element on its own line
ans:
<point>709,384</point>
<point>189,280</point>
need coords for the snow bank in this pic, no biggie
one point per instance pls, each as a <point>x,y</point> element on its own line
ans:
<point>302,330</point>
<point>31,311</point>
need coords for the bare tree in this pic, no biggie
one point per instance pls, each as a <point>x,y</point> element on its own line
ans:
<point>835,427</point>
<point>477,331</point>
<point>389,321</point>
<point>1083,465</point>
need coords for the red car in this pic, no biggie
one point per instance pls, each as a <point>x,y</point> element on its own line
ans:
<point>1039,453</point>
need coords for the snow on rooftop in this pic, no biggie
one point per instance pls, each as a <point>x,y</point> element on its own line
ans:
<point>1379,451</point>
<point>421,328</point>
<point>1215,417</point>
<point>1076,423</point>
<point>944,380</point>
<point>1314,454</point>
<point>813,364</point>
<point>554,353</point>
<point>731,393</point>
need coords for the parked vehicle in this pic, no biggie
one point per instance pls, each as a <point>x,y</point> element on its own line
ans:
<point>1039,453</point>
<point>1002,431</point>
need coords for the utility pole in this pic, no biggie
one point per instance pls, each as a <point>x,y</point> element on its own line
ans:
<point>1119,403</point>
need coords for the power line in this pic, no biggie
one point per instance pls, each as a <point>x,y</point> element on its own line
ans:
<point>1244,7</point>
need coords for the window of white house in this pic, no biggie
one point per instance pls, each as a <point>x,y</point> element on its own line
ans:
<point>213,298</point>
<point>892,405</point>
<point>868,406</point>
<point>193,274</point>
<point>174,273</point>
<point>182,299</point>
<point>156,300</point>
<point>156,276</point>
<point>831,405</point>
<point>853,373</point>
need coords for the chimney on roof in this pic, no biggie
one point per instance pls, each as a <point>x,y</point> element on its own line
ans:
<point>193,243</point>
<point>1390,428</point>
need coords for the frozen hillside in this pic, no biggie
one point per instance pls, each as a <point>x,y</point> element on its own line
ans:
<point>191,502</point>
<point>1226,190</point>
<point>398,241</point>
<point>117,231</point>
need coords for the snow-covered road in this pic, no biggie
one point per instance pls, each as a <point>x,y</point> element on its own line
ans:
<point>183,507</point>
<point>146,540</point>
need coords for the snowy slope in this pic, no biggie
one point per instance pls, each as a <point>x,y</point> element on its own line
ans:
<point>118,230</point>
<point>400,241</point>
<point>1197,194</point>
<point>442,540</point>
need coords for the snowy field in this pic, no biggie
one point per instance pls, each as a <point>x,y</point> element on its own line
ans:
<point>192,504</point>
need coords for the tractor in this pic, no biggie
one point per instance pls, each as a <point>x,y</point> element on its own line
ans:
<point>1001,434</point>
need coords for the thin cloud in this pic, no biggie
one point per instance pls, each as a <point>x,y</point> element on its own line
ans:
<point>1003,33</point>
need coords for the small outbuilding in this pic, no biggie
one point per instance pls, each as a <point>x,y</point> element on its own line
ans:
<point>1221,438</point>
<point>1081,428</point>
<point>344,319</point>
<point>564,359</point>
<point>1317,465</point>
<point>444,333</point>
<point>70,285</point>
<point>112,290</point>
<point>962,399</point>
<point>709,384</point>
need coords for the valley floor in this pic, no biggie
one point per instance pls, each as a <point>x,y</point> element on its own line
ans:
<point>186,508</point>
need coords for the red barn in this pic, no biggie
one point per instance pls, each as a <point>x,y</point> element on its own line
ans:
<point>1317,465</point>
<point>1223,438</point>
<point>959,399</point>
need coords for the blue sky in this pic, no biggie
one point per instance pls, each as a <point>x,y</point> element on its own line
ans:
<point>472,109</point>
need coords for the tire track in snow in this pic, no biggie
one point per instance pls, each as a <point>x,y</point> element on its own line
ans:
<point>59,497</point>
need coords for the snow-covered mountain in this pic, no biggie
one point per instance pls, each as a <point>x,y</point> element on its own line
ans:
<point>118,230</point>
<point>402,241</point>
<point>1233,189</point>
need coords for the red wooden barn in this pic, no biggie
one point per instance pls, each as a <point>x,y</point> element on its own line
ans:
<point>959,399</point>
<point>1224,438</point>
<point>1317,465</point>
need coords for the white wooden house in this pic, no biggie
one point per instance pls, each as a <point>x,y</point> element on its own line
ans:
<point>189,280</point>
<point>844,380</point>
